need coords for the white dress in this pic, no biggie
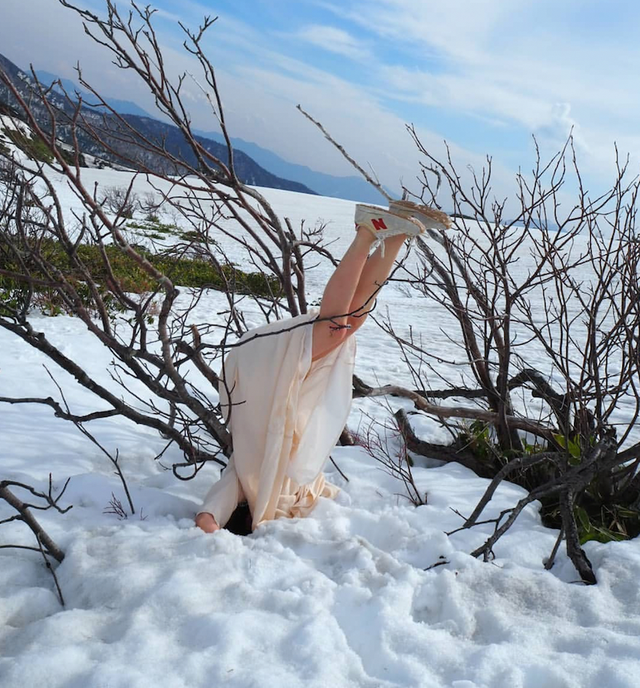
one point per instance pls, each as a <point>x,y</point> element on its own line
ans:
<point>285,414</point>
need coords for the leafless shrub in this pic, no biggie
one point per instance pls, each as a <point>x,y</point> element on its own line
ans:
<point>121,202</point>
<point>574,306</point>
<point>155,340</point>
<point>386,444</point>
<point>150,206</point>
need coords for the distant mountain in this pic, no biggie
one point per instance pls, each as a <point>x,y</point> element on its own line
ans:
<point>256,165</point>
<point>124,107</point>
<point>123,147</point>
<point>349,188</point>
<point>246,168</point>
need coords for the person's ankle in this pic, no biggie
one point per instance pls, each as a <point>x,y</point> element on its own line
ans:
<point>365,234</point>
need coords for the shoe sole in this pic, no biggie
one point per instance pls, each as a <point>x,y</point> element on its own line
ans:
<point>429,217</point>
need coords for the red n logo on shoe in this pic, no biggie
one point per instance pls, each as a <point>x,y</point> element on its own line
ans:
<point>378,224</point>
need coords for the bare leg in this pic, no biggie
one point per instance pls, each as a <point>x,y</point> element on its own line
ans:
<point>373,276</point>
<point>351,288</point>
<point>338,295</point>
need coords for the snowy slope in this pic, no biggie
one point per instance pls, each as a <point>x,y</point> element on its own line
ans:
<point>347,597</point>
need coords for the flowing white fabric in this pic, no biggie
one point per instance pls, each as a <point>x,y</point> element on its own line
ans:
<point>285,415</point>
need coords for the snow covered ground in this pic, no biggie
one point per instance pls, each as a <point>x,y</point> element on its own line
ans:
<point>347,597</point>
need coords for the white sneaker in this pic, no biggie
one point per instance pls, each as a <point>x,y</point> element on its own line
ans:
<point>430,218</point>
<point>385,223</point>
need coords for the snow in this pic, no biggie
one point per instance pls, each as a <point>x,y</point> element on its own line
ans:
<point>369,591</point>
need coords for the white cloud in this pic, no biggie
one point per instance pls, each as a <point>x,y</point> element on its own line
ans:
<point>498,61</point>
<point>511,61</point>
<point>32,33</point>
<point>448,28</point>
<point>334,40</point>
<point>559,125</point>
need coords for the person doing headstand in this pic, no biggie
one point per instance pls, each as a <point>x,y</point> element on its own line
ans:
<point>286,389</point>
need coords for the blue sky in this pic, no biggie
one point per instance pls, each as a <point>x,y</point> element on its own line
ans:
<point>484,75</point>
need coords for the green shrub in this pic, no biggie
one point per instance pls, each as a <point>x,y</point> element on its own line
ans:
<point>153,227</point>
<point>70,158</point>
<point>599,516</point>
<point>185,272</point>
<point>190,235</point>
<point>32,146</point>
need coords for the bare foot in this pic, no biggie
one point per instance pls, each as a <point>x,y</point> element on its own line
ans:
<point>207,523</point>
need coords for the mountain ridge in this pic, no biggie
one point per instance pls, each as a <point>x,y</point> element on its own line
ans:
<point>126,149</point>
<point>123,107</point>
<point>303,178</point>
<point>351,188</point>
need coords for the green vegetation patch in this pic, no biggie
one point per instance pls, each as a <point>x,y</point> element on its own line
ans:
<point>93,260</point>
<point>156,230</point>
<point>600,514</point>
<point>32,146</point>
<point>153,229</point>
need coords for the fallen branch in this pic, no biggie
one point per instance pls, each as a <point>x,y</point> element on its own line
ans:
<point>363,390</point>
<point>440,452</point>
<point>25,515</point>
